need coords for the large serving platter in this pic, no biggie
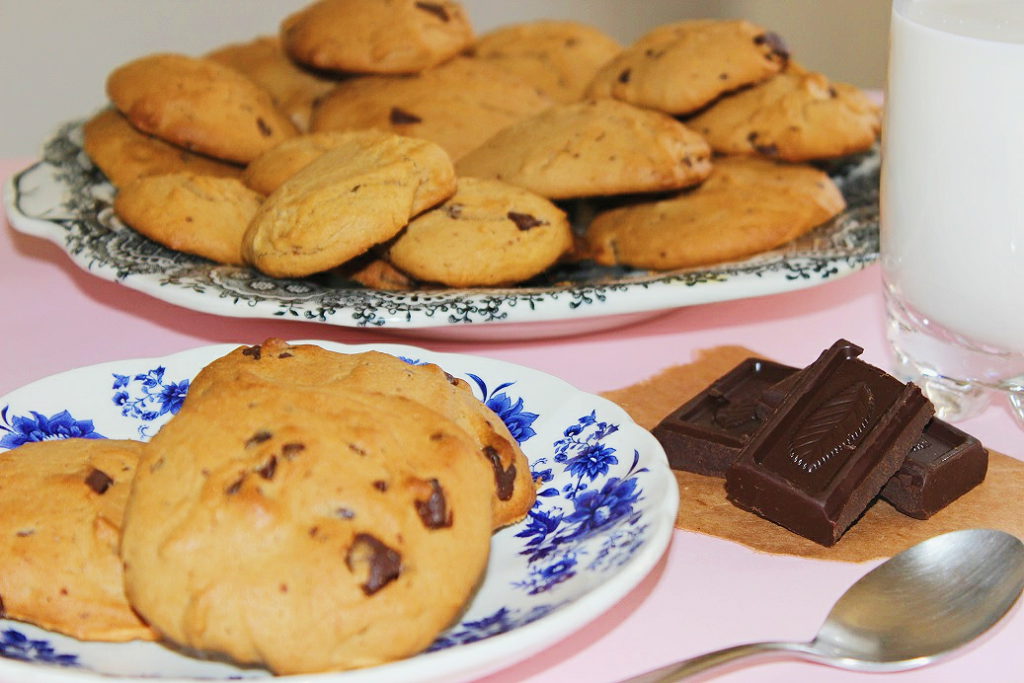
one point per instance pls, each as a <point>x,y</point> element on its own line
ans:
<point>64,198</point>
<point>605,513</point>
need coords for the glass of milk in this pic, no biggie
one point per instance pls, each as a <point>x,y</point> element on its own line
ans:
<point>952,200</point>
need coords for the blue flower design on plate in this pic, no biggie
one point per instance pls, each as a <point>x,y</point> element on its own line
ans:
<point>595,514</point>
<point>556,538</point>
<point>22,429</point>
<point>146,396</point>
<point>515,416</point>
<point>503,620</point>
<point>16,645</point>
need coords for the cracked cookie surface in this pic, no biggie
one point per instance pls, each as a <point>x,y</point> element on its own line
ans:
<point>358,194</point>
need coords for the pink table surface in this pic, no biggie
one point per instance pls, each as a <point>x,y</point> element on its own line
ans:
<point>706,593</point>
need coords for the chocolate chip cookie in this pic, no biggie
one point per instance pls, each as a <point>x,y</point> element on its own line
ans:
<point>679,68</point>
<point>199,104</point>
<point>560,58</point>
<point>458,105</point>
<point>278,362</point>
<point>488,233</point>
<point>202,215</point>
<point>352,197</point>
<point>592,148</point>
<point>305,530</point>
<point>748,205</point>
<point>376,36</point>
<point>794,116</point>
<point>61,508</point>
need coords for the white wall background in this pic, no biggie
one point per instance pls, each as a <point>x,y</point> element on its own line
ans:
<point>55,54</point>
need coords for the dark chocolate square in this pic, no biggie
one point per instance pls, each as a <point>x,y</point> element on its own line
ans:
<point>840,433</point>
<point>944,464</point>
<point>705,434</point>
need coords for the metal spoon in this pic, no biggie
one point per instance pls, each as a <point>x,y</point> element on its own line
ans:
<point>923,603</point>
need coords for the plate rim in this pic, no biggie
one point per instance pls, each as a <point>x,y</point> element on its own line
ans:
<point>538,635</point>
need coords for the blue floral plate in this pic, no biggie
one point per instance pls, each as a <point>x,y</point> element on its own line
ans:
<point>65,199</point>
<point>603,519</point>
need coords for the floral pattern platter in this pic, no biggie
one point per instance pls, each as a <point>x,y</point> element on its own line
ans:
<point>604,516</point>
<point>65,199</point>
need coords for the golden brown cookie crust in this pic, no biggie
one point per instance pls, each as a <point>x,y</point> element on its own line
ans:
<point>560,58</point>
<point>458,104</point>
<point>278,362</point>
<point>592,148</point>
<point>679,68</point>
<point>352,197</point>
<point>125,154</point>
<point>793,116</point>
<point>199,104</point>
<point>376,36</point>
<point>488,233</point>
<point>268,171</point>
<point>262,509</point>
<point>748,205</point>
<point>202,215</point>
<point>293,88</point>
<point>62,507</point>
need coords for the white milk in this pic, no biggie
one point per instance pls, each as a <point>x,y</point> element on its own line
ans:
<point>953,174</point>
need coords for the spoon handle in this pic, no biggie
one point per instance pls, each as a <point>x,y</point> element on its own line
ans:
<point>705,662</point>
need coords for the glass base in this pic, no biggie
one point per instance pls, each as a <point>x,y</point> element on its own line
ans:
<point>959,376</point>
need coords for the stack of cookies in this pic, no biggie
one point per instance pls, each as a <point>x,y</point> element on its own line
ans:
<point>421,155</point>
<point>296,486</point>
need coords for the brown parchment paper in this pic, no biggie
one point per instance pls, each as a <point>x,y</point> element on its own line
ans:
<point>998,502</point>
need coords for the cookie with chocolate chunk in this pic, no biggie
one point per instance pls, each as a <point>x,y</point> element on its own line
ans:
<point>679,68</point>
<point>458,104</point>
<point>199,104</point>
<point>124,153</point>
<point>61,507</point>
<point>202,215</point>
<point>560,58</point>
<point>748,205</point>
<point>376,36</point>
<point>592,148</point>
<point>293,88</point>
<point>277,362</point>
<point>260,510</point>
<point>794,116</point>
<point>349,199</point>
<point>488,233</point>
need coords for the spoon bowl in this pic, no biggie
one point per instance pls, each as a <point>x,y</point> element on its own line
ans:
<point>919,605</point>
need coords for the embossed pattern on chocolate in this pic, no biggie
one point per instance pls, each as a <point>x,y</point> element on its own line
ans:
<point>705,434</point>
<point>832,444</point>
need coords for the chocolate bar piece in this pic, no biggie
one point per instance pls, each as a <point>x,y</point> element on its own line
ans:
<point>831,445</point>
<point>705,434</point>
<point>944,464</point>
